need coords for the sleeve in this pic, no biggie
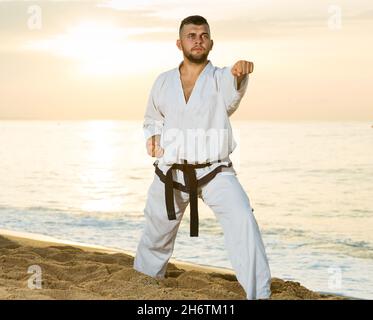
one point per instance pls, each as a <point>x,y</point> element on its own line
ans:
<point>228,86</point>
<point>153,119</point>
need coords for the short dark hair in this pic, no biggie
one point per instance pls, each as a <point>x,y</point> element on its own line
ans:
<point>197,20</point>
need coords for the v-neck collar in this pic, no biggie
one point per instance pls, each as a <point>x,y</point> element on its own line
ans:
<point>195,87</point>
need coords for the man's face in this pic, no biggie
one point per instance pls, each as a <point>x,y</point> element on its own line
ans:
<point>195,42</point>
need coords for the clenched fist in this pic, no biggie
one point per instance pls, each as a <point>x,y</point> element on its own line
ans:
<point>153,146</point>
<point>242,67</point>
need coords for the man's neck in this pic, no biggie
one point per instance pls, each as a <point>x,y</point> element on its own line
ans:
<point>191,69</point>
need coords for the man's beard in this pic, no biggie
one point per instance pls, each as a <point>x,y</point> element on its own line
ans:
<point>198,60</point>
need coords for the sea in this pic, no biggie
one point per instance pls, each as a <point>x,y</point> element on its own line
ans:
<point>310,184</point>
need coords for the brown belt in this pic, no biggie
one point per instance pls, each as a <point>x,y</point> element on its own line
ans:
<point>190,187</point>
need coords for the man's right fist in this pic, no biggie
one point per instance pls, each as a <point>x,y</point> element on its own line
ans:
<point>153,146</point>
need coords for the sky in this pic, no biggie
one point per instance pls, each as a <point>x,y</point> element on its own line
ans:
<point>75,60</point>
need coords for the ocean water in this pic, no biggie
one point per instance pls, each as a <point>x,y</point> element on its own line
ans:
<point>310,184</point>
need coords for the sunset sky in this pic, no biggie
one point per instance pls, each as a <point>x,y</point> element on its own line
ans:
<point>98,59</point>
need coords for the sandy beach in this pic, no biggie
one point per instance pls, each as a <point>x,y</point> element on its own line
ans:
<point>75,271</point>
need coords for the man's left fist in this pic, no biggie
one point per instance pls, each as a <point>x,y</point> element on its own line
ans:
<point>242,67</point>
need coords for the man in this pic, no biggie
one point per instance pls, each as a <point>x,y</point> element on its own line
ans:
<point>187,104</point>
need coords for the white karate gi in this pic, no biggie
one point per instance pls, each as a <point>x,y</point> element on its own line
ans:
<point>213,99</point>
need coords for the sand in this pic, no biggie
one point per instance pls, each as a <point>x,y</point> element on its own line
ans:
<point>74,271</point>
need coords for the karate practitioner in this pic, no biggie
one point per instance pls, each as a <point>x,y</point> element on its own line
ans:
<point>187,129</point>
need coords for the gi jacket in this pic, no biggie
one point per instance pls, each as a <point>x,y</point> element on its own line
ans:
<point>199,130</point>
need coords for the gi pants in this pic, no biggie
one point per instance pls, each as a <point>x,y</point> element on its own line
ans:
<point>231,205</point>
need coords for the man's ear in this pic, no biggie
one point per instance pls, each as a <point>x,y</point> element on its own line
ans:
<point>178,44</point>
<point>212,44</point>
